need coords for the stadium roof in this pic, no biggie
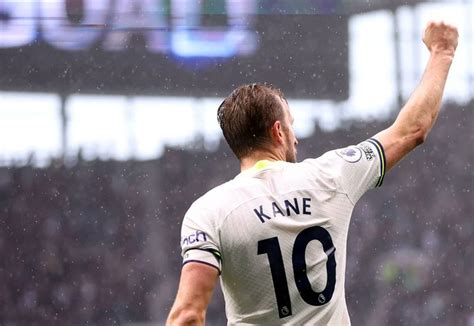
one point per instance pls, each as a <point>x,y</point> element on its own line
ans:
<point>359,6</point>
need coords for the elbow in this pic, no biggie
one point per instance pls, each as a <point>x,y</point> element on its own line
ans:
<point>188,317</point>
<point>421,129</point>
<point>420,135</point>
<point>413,133</point>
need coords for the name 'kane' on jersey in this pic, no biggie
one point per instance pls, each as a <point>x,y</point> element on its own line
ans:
<point>277,233</point>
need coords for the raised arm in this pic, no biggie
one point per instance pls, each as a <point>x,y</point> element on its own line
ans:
<point>194,293</point>
<point>416,118</point>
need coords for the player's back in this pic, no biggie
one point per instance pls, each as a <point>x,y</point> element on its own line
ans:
<point>277,233</point>
<point>282,233</point>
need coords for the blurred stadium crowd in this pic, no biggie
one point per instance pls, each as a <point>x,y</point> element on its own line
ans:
<point>97,242</point>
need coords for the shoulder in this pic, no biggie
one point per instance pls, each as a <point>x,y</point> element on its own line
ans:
<point>322,166</point>
<point>215,202</point>
<point>215,194</point>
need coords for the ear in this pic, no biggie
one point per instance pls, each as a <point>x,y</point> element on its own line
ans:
<point>277,132</point>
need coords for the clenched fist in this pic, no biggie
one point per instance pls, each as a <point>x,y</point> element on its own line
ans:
<point>441,37</point>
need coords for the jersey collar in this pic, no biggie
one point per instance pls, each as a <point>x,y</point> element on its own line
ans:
<point>260,166</point>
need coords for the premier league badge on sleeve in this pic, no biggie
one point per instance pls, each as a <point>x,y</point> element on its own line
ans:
<point>350,154</point>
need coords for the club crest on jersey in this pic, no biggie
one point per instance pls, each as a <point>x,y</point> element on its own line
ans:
<point>350,154</point>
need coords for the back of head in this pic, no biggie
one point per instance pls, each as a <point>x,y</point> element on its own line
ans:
<point>247,115</point>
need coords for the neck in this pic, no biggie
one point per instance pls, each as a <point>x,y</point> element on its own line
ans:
<point>249,161</point>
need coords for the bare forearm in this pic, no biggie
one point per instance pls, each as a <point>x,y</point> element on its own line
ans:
<point>420,112</point>
<point>194,294</point>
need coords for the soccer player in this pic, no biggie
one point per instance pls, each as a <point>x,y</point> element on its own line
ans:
<point>276,234</point>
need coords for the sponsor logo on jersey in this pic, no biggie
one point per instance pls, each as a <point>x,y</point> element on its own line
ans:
<point>350,154</point>
<point>369,153</point>
<point>194,237</point>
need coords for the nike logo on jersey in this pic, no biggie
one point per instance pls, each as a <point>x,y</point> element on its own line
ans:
<point>294,206</point>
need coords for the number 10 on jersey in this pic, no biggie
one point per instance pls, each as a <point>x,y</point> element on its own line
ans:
<point>271,247</point>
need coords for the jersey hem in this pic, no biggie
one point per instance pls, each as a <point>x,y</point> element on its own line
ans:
<point>215,252</point>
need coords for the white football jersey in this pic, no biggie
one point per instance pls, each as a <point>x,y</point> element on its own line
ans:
<point>277,234</point>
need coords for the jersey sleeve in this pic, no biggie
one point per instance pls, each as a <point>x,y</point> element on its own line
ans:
<point>356,168</point>
<point>199,238</point>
